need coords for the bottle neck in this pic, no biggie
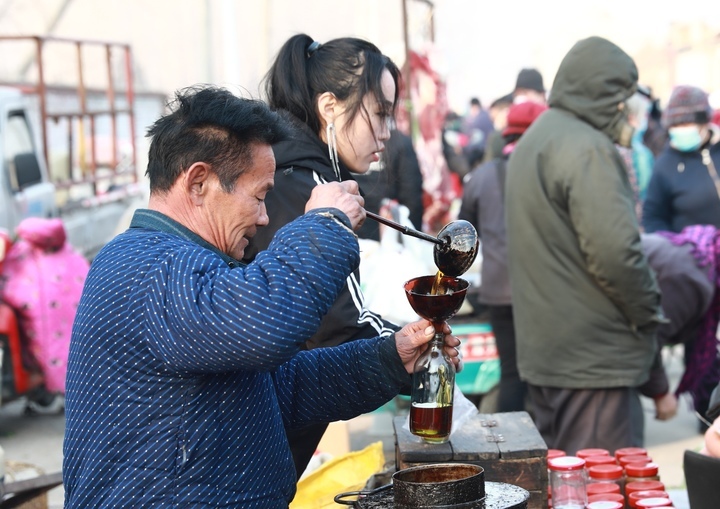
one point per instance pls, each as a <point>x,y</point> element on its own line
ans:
<point>437,340</point>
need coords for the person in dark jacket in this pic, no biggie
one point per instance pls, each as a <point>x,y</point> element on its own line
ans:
<point>483,205</point>
<point>585,301</point>
<point>340,97</point>
<point>684,189</point>
<point>186,364</point>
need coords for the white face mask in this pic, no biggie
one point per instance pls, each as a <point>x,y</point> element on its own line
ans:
<point>685,138</point>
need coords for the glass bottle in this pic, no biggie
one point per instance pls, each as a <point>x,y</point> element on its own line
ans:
<point>432,393</point>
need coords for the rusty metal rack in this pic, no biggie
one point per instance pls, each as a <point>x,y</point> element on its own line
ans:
<point>85,118</point>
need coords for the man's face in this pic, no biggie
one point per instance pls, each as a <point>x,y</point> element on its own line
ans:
<point>234,217</point>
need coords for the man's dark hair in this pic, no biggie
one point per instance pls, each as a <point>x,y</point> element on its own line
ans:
<point>349,68</point>
<point>475,102</point>
<point>211,125</point>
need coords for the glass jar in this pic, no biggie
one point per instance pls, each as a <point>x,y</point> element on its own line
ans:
<point>568,482</point>
<point>432,393</point>
<point>553,453</point>
<point>610,474</point>
<point>641,472</point>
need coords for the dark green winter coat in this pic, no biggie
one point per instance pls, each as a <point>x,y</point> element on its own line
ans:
<point>586,302</point>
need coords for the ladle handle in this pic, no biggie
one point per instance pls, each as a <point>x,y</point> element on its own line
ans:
<point>404,229</point>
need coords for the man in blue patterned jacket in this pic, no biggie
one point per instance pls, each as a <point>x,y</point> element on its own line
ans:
<point>184,363</point>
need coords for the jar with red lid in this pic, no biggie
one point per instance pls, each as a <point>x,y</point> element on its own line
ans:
<point>637,495</point>
<point>584,453</point>
<point>630,451</point>
<point>555,453</point>
<point>603,497</point>
<point>605,504</point>
<point>568,482</point>
<point>591,461</point>
<point>608,474</point>
<point>641,472</point>
<point>636,458</point>
<point>596,488</point>
<point>643,486</point>
<point>647,503</point>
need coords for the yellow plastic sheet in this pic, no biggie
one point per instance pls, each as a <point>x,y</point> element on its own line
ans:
<point>348,472</point>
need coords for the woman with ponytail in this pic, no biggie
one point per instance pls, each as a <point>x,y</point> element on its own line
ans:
<point>340,96</point>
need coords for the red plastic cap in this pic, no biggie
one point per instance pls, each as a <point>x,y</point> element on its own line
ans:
<point>609,497</point>
<point>645,503</point>
<point>604,504</point>
<point>630,451</point>
<point>605,472</point>
<point>555,453</point>
<point>566,463</point>
<point>592,461</point>
<point>595,488</point>
<point>643,485</point>
<point>637,495</point>
<point>641,469</point>
<point>640,458</point>
<point>584,453</point>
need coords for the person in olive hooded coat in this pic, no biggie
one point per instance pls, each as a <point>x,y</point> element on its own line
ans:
<point>585,299</point>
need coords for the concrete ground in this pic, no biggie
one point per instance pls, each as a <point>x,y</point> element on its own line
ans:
<point>35,441</point>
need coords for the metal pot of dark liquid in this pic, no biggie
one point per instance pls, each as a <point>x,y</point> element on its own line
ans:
<point>456,245</point>
<point>439,486</point>
<point>451,485</point>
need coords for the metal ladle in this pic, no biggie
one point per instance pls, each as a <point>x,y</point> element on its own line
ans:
<point>456,245</point>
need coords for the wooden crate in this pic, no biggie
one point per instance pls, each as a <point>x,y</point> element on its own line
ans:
<point>507,445</point>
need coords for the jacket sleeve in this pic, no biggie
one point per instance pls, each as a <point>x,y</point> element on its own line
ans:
<point>602,213</point>
<point>204,317</point>
<point>355,378</point>
<point>348,319</point>
<point>657,385</point>
<point>657,207</point>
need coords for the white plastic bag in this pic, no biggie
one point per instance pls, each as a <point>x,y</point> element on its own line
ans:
<point>387,265</point>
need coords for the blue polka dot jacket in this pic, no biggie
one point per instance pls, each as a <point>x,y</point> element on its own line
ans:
<point>185,365</point>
